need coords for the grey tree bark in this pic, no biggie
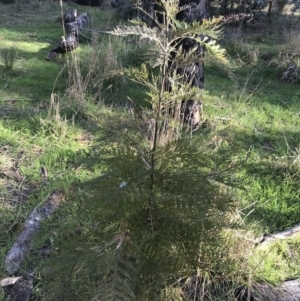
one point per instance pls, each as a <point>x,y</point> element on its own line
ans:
<point>72,26</point>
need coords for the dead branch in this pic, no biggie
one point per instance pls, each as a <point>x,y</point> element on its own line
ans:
<point>287,291</point>
<point>288,233</point>
<point>72,25</point>
<point>22,245</point>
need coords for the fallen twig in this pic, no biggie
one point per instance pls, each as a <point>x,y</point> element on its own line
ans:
<point>14,175</point>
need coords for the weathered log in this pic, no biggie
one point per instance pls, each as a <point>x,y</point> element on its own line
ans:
<point>287,291</point>
<point>9,281</point>
<point>67,44</point>
<point>192,73</point>
<point>13,174</point>
<point>18,288</point>
<point>22,245</point>
<point>72,25</point>
<point>193,113</point>
<point>191,11</point>
<point>290,75</point>
<point>281,235</point>
<point>257,291</point>
<point>22,289</point>
<point>195,10</point>
<point>80,22</point>
<point>70,15</point>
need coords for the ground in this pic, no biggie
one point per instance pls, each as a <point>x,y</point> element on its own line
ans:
<point>43,126</point>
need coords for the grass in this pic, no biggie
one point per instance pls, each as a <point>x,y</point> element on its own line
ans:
<point>257,112</point>
<point>267,121</point>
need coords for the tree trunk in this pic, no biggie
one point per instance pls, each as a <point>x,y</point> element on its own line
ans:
<point>195,10</point>
<point>72,25</point>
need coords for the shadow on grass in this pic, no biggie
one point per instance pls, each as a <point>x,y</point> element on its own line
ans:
<point>252,85</point>
<point>272,187</point>
<point>270,179</point>
<point>31,77</point>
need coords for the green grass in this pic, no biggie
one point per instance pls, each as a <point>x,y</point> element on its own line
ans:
<point>278,261</point>
<point>258,113</point>
<point>267,121</point>
<point>33,33</point>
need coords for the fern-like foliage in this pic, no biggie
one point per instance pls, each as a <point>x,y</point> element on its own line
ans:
<point>163,201</point>
<point>118,279</point>
<point>142,31</point>
<point>165,228</point>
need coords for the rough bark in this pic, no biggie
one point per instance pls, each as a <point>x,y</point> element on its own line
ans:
<point>287,291</point>
<point>290,74</point>
<point>195,10</point>
<point>288,233</point>
<point>22,245</point>
<point>72,25</point>
<point>257,291</point>
<point>22,289</point>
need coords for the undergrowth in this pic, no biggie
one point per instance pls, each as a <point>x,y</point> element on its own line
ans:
<point>50,113</point>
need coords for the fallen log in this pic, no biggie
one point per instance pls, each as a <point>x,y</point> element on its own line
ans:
<point>79,23</point>
<point>287,291</point>
<point>13,174</point>
<point>22,289</point>
<point>70,15</point>
<point>72,25</point>
<point>280,235</point>
<point>9,281</point>
<point>290,74</point>
<point>22,245</point>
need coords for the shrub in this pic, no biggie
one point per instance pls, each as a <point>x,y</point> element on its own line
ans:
<point>9,57</point>
<point>159,210</point>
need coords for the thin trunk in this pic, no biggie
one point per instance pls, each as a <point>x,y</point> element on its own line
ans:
<point>155,140</point>
<point>269,9</point>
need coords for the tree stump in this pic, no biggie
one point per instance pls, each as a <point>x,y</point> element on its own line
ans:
<point>72,25</point>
